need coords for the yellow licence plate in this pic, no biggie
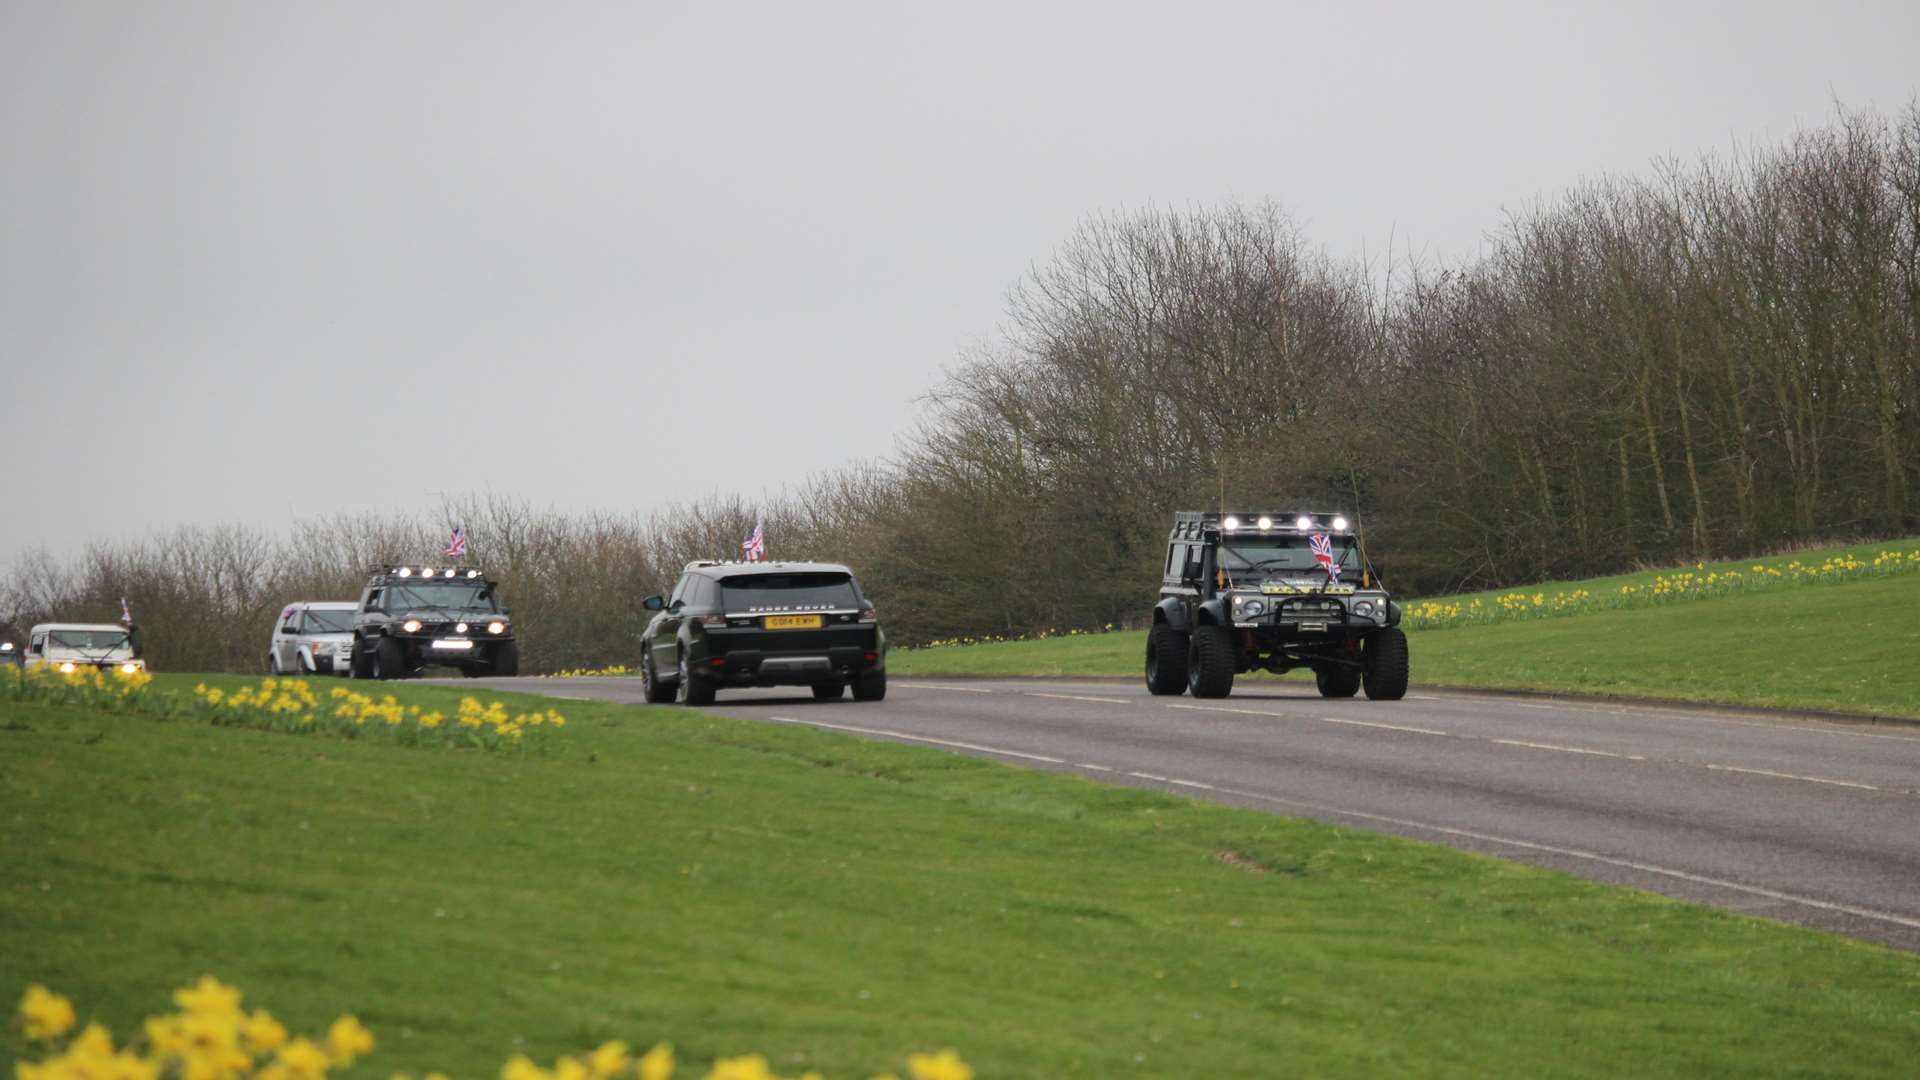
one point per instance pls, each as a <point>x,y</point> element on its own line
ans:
<point>794,622</point>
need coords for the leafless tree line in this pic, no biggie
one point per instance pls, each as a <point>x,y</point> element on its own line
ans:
<point>1717,359</point>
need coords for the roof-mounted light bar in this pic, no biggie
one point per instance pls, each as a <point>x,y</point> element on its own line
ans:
<point>1264,522</point>
<point>443,572</point>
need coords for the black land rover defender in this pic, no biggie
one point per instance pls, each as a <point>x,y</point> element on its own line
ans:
<point>413,616</point>
<point>763,624</point>
<point>1273,591</point>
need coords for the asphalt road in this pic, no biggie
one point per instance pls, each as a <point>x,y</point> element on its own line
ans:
<point>1803,821</point>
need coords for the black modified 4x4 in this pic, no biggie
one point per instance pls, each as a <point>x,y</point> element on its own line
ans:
<point>414,616</point>
<point>1274,592</point>
<point>763,624</point>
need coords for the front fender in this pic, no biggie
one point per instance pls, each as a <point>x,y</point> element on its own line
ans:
<point>1213,613</point>
<point>1172,612</point>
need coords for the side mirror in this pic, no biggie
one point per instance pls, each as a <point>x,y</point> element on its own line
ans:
<point>653,603</point>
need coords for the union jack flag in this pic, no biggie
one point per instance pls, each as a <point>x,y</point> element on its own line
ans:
<point>1323,554</point>
<point>755,545</point>
<point>126,615</point>
<point>457,546</point>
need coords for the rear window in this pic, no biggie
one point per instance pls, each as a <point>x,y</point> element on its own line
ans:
<point>765,592</point>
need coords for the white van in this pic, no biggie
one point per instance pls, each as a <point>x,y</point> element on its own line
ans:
<point>312,637</point>
<point>72,646</point>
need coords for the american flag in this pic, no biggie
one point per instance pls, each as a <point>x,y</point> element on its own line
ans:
<point>1323,554</point>
<point>755,545</point>
<point>457,546</point>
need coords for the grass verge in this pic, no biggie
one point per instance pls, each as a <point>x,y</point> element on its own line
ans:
<point>836,904</point>
<point>1845,646</point>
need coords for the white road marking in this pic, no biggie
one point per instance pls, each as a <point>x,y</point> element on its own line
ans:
<point>945,686</point>
<point>1377,724</point>
<point>1568,749</point>
<point>1077,697</point>
<point>1193,784</point>
<point>1322,719</point>
<point>1091,765</point>
<point>1792,776</point>
<point>1591,856</point>
<point>923,739</point>
<point>1148,776</point>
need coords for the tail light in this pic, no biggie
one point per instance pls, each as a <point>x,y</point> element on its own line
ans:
<point>713,620</point>
<point>718,661</point>
<point>869,615</point>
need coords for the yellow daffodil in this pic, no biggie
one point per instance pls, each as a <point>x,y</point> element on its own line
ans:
<point>302,1060</point>
<point>347,1040</point>
<point>45,1014</point>
<point>945,1065</point>
<point>657,1063</point>
<point>263,1032</point>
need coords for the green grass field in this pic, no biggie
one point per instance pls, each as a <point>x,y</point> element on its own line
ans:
<point>665,874</point>
<point>1846,646</point>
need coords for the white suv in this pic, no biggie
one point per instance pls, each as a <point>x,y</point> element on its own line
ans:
<point>313,637</point>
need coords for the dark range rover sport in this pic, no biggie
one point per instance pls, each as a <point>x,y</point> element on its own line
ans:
<point>763,624</point>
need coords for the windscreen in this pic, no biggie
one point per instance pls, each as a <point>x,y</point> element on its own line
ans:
<point>760,592</point>
<point>1279,556</point>
<point>450,595</point>
<point>91,640</point>
<point>328,622</point>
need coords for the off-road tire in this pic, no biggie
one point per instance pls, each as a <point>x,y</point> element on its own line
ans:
<point>1210,662</point>
<point>870,685</point>
<point>1337,682</point>
<point>389,659</point>
<point>829,691</point>
<point>1386,678</point>
<point>692,691</point>
<point>506,658</point>
<point>1166,661</point>
<point>657,692</point>
<point>360,661</point>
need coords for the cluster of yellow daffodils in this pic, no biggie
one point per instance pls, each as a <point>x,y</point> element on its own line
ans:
<point>1694,584</point>
<point>213,1038</point>
<point>581,673</point>
<point>291,705</point>
<point>83,686</point>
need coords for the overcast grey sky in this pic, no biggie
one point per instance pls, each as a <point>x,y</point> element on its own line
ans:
<point>261,261</point>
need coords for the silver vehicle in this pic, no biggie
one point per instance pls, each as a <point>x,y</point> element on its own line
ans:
<point>313,637</point>
<point>68,647</point>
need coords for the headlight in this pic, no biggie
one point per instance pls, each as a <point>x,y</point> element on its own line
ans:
<point>411,626</point>
<point>1363,608</point>
<point>1250,606</point>
<point>129,667</point>
<point>66,668</point>
<point>496,627</point>
<point>460,628</point>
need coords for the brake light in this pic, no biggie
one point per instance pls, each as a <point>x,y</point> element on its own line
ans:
<point>718,661</point>
<point>869,615</point>
<point>713,620</point>
<point>872,656</point>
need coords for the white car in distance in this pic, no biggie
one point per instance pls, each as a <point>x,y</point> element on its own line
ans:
<point>312,637</point>
<point>68,647</point>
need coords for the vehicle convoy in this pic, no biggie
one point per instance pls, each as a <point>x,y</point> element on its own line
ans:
<point>763,624</point>
<point>1273,592</point>
<point>68,647</point>
<point>411,617</point>
<point>312,637</point>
